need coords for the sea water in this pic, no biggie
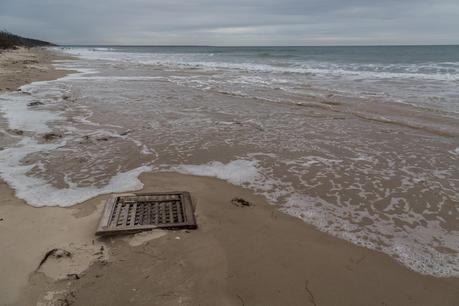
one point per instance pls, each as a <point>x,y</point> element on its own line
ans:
<point>360,142</point>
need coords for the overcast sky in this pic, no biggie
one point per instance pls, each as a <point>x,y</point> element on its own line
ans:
<point>234,22</point>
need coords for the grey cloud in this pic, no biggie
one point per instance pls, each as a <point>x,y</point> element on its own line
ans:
<point>223,22</point>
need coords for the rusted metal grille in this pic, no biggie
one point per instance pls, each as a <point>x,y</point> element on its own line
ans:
<point>134,212</point>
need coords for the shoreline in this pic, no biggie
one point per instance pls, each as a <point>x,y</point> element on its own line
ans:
<point>251,255</point>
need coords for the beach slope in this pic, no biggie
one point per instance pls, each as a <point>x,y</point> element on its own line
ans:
<point>238,256</point>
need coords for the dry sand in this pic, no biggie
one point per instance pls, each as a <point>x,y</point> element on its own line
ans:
<point>23,66</point>
<point>238,255</point>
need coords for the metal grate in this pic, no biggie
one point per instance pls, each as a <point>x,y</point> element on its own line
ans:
<point>130,213</point>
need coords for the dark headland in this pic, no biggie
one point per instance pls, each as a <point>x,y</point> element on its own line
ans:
<point>12,41</point>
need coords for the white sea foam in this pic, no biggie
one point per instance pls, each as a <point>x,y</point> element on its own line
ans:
<point>38,192</point>
<point>413,249</point>
<point>241,172</point>
<point>196,60</point>
<point>236,172</point>
<point>14,108</point>
<point>115,78</point>
<point>427,84</point>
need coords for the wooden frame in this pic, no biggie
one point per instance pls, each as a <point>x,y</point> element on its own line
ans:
<point>125,213</point>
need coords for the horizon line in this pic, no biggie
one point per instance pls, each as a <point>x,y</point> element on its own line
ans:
<point>252,46</point>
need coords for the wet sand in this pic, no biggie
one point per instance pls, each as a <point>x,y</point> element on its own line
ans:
<point>238,255</point>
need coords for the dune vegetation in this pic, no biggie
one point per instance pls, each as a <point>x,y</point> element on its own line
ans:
<point>12,41</point>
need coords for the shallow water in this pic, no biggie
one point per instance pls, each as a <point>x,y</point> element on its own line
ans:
<point>380,174</point>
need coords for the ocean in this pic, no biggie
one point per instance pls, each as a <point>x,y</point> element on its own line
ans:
<point>360,142</point>
<point>425,76</point>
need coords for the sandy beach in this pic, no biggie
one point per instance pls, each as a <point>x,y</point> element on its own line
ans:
<point>238,255</point>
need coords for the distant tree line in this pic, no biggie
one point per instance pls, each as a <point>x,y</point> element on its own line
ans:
<point>11,41</point>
